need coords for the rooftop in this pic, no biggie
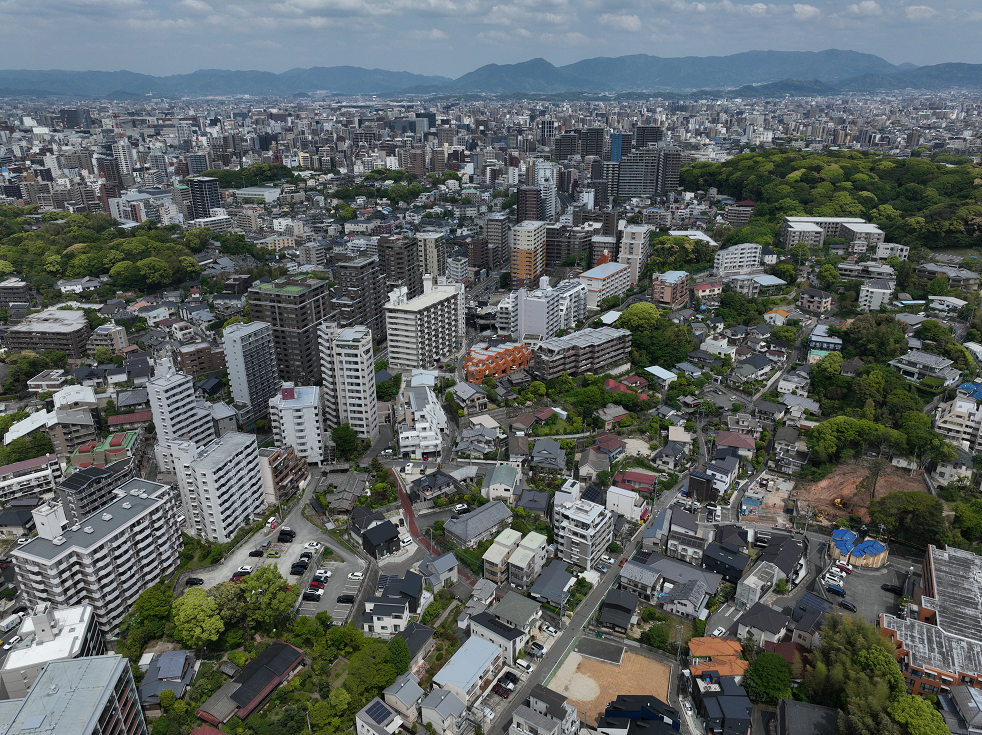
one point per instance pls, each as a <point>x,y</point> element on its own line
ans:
<point>605,271</point>
<point>67,643</point>
<point>467,664</point>
<point>52,320</point>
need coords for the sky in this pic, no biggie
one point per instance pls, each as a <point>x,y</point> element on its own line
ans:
<point>452,37</point>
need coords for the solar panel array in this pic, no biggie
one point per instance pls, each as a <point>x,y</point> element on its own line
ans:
<point>379,712</point>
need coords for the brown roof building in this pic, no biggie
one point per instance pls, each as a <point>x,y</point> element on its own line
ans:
<point>200,358</point>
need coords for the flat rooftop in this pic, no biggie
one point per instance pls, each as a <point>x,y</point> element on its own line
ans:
<point>72,622</point>
<point>53,321</point>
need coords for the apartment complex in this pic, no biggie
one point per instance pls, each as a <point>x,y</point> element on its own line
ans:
<point>431,248</point>
<point>297,417</point>
<point>38,477</point>
<point>420,423</point>
<point>605,281</point>
<point>107,559</point>
<point>199,358</point>
<point>361,293</point>
<point>874,293</point>
<point>528,253</point>
<point>812,231</point>
<point>515,560</point>
<point>293,307</point>
<point>670,290</point>
<point>425,330</point>
<point>939,643</point>
<point>737,259</point>
<point>583,531</point>
<point>960,278</point>
<point>51,329</point>
<point>348,370</point>
<point>111,336</point>
<point>221,484</point>
<point>94,695</point>
<point>960,421</point>
<point>252,367</point>
<point>586,351</point>
<point>284,473</point>
<point>635,249</point>
<point>177,415</point>
<point>813,300</point>
<point>543,311</point>
<point>485,360</point>
<point>399,261</point>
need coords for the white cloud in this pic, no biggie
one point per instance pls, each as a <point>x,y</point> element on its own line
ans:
<point>629,23</point>
<point>806,12</point>
<point>920,12</point>
<point>434,34</point>
<point>866,7</point>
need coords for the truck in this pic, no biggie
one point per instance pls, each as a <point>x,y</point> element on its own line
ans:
<point>11,622</point>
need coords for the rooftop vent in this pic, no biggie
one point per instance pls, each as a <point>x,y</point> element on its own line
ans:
<point>127,505</point>
<point>88,529</point>
<point>58,540</point>
<point>107,516</point>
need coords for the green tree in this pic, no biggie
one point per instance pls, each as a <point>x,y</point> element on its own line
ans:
<point>155,272</point>
<point>196,619</point>
<point>230,601</point>
<point>345,439</point>
<point>918,716</point>
<point>828,276</point>
<point>267,596</point>
<point>103,355</point>
<point>6,268</point>
<point>399,656</point>
<point>641,317</point>
<point>340,699</point>
<point>768,679</point>
<point>489,385</point>
<point>167,700</point>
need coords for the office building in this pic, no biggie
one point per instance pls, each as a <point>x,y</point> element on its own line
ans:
<point>221,484</point>
<point>431,248</point>
<point>284,473</point>
<point>52,329</point>
<point>94,695</point>
<point>425,330</point>
<point>528,253</point>
<point>297,417</point>
<point>361,293</point>
<point>737,259</point>
<point>348,373</point>
<point>670,290</point>
<point>586,351</point>
<point>108,559</point>
<point>48,634</point>
<point>176,415</point>
<point>293,307</point>
<point>583,531</point>
<point>605,281</point>
<point>399,261</point>
<point>542,312</point>
<point>205,196</point>
<point>252,367</point>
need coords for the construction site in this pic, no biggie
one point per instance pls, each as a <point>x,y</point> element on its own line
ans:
<point>846,491</point>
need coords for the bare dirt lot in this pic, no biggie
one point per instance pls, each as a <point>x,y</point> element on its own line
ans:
<point>844,483</point>
<point>590,685</point>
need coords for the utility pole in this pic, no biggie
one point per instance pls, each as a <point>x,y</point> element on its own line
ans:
<point>681,630</point>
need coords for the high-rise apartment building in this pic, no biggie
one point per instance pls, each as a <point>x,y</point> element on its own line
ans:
<point>563,241</point>
<point>428,329</point>
<point>543,311</point>
<point>293,306</point>
<point>95,695</point>
<point>634,249</point>
<point>108,559</point>
<point>252,368</point>
<point>584,530</point>
<point>591,142</point>
<point>284,473</point>
<point>348,370</point>
<point>176,415</point>
<point>432,252</point>
<point>221,484</point>
<point>670,290</point>
<point>398,257</point>
<point>205,196</point>
<point>497,228</point>
<point>646,135</point>
<point>528,253</point>
<point>529,203</point>
<point>362,293</point>
<point>297,417</point>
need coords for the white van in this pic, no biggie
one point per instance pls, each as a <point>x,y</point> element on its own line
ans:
<point>409,469</point>
<point>523,665</point>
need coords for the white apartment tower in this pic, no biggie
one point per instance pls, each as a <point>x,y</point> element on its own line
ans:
<point>738,259</point>
<point>634,249</point>
<point>427,329</point>
<point>432,249</point>
<point>221,484</point>
<point>297,416</point>
<point>108,559</point>
<point>348,370</point>
<point>252,370</point>
<point>542,311</point>
<point>584,530</point>
<point>176,415</point>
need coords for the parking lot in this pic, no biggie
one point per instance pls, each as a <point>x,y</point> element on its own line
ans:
<point>337,585</point>
<point>863,590</point>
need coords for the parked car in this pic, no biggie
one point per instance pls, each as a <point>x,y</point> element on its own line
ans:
<point>843,567</point>
<point>895,589</point>
<point>323,573</point>
<point>346,599</point>
<point>511,676</point>
<point>306,556</point>
<point>274,554</point>
<point>835,590</point>
<point>11,643</point>
<point>500,691</point>
<point>549,629</point>
<point>606,560</point>
<point>719,632</point>
<point>624,561</point>
<point>284,539</point>
<point>357,576</point>
<point>256,552</point>
<point>603,569</point>
<point>194,581</point>
<point>504,682</point>
<point>312,545</point>
<point>536,646</point>
<point>523,665</point>
<point>845,604</point>
<point>247,568</point>
<point>310,597</point>
<point>299,571</point>
<point>316,591</point>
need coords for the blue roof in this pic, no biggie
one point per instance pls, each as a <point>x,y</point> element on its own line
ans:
<point>974,390</point>
<point>869,547</point>
<point>751,502</point>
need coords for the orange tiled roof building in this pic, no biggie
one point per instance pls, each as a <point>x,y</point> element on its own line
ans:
<point>484,360</point>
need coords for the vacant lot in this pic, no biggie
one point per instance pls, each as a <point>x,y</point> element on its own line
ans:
<point>844,483</point>
<point>590,685</point>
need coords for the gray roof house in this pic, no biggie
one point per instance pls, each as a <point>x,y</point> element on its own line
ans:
<point>483,523</point>
<point>517,611</point>
<point>444,710</point>
<point>439,571</point>
<point>553,584</point>
<point>687,599</point>
<point>549,455</point>
<point>641,580</point>
<point>502,484</point>
<point>763,623</point>
<point>404,696</point>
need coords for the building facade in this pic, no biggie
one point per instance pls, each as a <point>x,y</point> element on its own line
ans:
<point>348,371</point>
<point>251,355</point>
<point>297,417</point>
<point>176,414</point>
<point>583,531</point>
<point>528,253</point>
<point>426,330</point>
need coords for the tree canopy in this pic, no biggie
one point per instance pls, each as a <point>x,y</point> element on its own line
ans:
<point>768,678</point>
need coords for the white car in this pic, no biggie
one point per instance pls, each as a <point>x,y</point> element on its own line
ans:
<point>688,708</point>
<point>323,573</point>
<point>549,629</point>
<point>311,545</point>
<point>246,568</point>
<point>606,560</point>
<point>719,632</point>
<point>356,576</point>
<point>318,592</point>
<point>11,643</point>
<point>523,665</point>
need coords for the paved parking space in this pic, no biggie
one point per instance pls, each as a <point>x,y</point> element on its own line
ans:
<point>863,590</point>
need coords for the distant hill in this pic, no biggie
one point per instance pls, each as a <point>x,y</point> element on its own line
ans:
<point>753,73</point>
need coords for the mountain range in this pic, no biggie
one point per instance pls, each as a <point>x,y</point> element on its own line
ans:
<point>759,73</point>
